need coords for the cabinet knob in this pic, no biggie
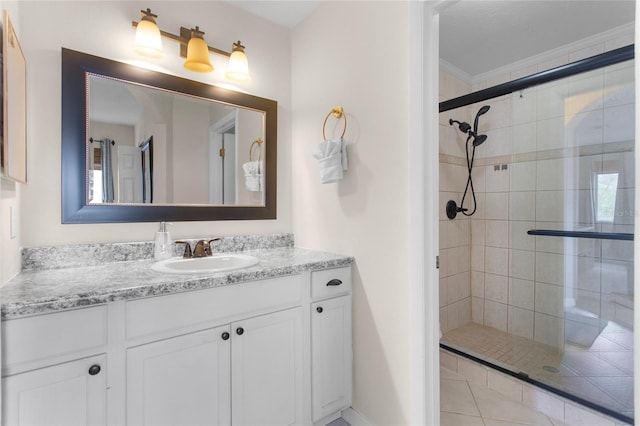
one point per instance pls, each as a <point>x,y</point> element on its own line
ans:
<point>334,282</point>
<point>225,336</point>
<point>319,309</point>
<point>94,369</point>
<point>240,331</point>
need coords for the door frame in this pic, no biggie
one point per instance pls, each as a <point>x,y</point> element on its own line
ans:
<point>423,90</point>
<point>216,132</point>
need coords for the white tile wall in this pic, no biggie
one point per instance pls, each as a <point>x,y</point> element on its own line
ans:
<point>521,322</point>
<point>521,293</point>
<point>495,315</point>
<point>455,235</point>
<point>496,288</point>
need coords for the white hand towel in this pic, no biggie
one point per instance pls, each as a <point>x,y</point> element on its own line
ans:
<point>332,158</point>
<point>253,175</point>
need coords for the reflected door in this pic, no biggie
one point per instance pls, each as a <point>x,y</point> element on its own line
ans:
<point>129,175</point>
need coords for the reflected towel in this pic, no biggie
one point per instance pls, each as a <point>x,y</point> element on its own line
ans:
<point>253,175</point>
<point>332,158</point>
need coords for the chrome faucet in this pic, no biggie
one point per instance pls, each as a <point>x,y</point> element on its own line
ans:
<point>201,249</point>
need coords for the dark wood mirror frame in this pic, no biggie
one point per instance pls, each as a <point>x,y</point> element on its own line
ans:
<point>75,66</point>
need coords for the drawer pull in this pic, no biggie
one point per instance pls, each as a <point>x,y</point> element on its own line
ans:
<point>225,336</point>
<point>319,309</point>
<point>94,369</point>
<point>334,282</point>
<point>240,331</point>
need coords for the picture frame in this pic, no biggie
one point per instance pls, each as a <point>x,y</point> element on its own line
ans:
<point>14,105</point>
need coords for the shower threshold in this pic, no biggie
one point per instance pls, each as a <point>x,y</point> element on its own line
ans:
<point>599,377</point>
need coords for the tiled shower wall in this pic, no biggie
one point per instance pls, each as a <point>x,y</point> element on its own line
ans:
<point>455,235</point>
<point>562,136</point>
<point>538,145</point>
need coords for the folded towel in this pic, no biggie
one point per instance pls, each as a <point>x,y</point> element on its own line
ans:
<point>332,157</point>
<point>253,175</point>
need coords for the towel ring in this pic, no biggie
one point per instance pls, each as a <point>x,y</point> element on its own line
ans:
<point>259,142</point>
<point>337,112</point>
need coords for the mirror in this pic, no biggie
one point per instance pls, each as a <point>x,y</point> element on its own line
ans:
<point>139,145</point>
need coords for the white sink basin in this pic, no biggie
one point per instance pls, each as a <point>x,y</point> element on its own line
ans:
<point>210,264</point>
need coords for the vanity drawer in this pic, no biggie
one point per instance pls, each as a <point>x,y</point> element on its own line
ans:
<point>40,340</point>
<point>185,312</point>
<point>330,282</point>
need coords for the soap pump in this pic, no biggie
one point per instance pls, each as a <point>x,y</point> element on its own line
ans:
<point>163,246</point>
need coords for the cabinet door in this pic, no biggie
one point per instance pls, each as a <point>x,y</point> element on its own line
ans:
<point>73,393</point>
<point>266,365</point>
<point>331,356</point>
<point>184,380</point>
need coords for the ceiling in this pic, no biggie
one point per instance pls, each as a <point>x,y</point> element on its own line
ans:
<point>286,13</point>
<point>478,36</point>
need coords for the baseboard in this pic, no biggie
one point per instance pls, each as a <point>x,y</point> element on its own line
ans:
<point>354,418</point>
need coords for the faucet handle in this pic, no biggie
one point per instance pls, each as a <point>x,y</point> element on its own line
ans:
<point>187,249</point>
<point>213,241</point>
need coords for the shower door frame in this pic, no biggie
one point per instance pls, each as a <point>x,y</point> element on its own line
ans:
<point>602,60</point>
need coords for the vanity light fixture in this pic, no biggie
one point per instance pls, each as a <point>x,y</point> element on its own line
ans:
<point>192,46</point>
<point>238,68</point>
<point>198,53</point>
<point>148,40</point>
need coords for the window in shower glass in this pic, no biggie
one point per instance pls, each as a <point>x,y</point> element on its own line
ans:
<point>606,190</point>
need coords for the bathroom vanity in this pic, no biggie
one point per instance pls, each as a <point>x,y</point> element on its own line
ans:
<point>122,344</point>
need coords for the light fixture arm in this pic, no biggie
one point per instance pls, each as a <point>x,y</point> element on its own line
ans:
<point>183,39</point>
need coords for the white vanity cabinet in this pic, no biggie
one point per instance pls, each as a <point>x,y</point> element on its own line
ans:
<point>182,380</point>
<point>266,369</point>
<point>331,353</point>
<point>65,394</point>
<point>244,373</point>
<point>274,351</point>
<point>227,355</point>
<point>54,369</point>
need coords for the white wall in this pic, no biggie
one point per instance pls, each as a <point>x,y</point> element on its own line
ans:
<point>354,54</point>
<point>104,29</point>
<point>190,151</point>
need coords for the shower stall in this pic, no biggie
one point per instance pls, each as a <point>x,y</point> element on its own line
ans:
<point>538,281</point>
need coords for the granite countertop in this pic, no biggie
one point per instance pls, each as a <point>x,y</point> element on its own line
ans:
<point>45,291</point>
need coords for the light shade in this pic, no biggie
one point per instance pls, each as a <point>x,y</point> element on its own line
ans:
<point>198,53</point>
<point>148,40</point>
<point>238,68</point>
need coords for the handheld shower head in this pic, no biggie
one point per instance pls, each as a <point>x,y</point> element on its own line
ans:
<point>481,111</point>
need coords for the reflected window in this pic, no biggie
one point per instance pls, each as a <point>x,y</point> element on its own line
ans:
<point>606,190</point>
<point>95,181</point>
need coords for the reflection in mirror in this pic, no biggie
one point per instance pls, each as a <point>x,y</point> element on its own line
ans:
<point>142,146</point>
<point>147,170</point>
<point>200,151</point>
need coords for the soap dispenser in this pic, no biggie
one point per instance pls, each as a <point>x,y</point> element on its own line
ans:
<point>163,245</point>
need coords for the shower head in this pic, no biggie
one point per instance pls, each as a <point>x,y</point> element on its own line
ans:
<point>481,111</point>
<point>464,127</point>
<point>479,140</point>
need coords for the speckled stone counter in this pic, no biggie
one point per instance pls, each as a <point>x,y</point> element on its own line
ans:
<point>49,290</point>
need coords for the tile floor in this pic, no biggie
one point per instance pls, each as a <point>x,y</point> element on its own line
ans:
<point>339,422</point>
<point>464,403</point>
<point>602,373</point>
